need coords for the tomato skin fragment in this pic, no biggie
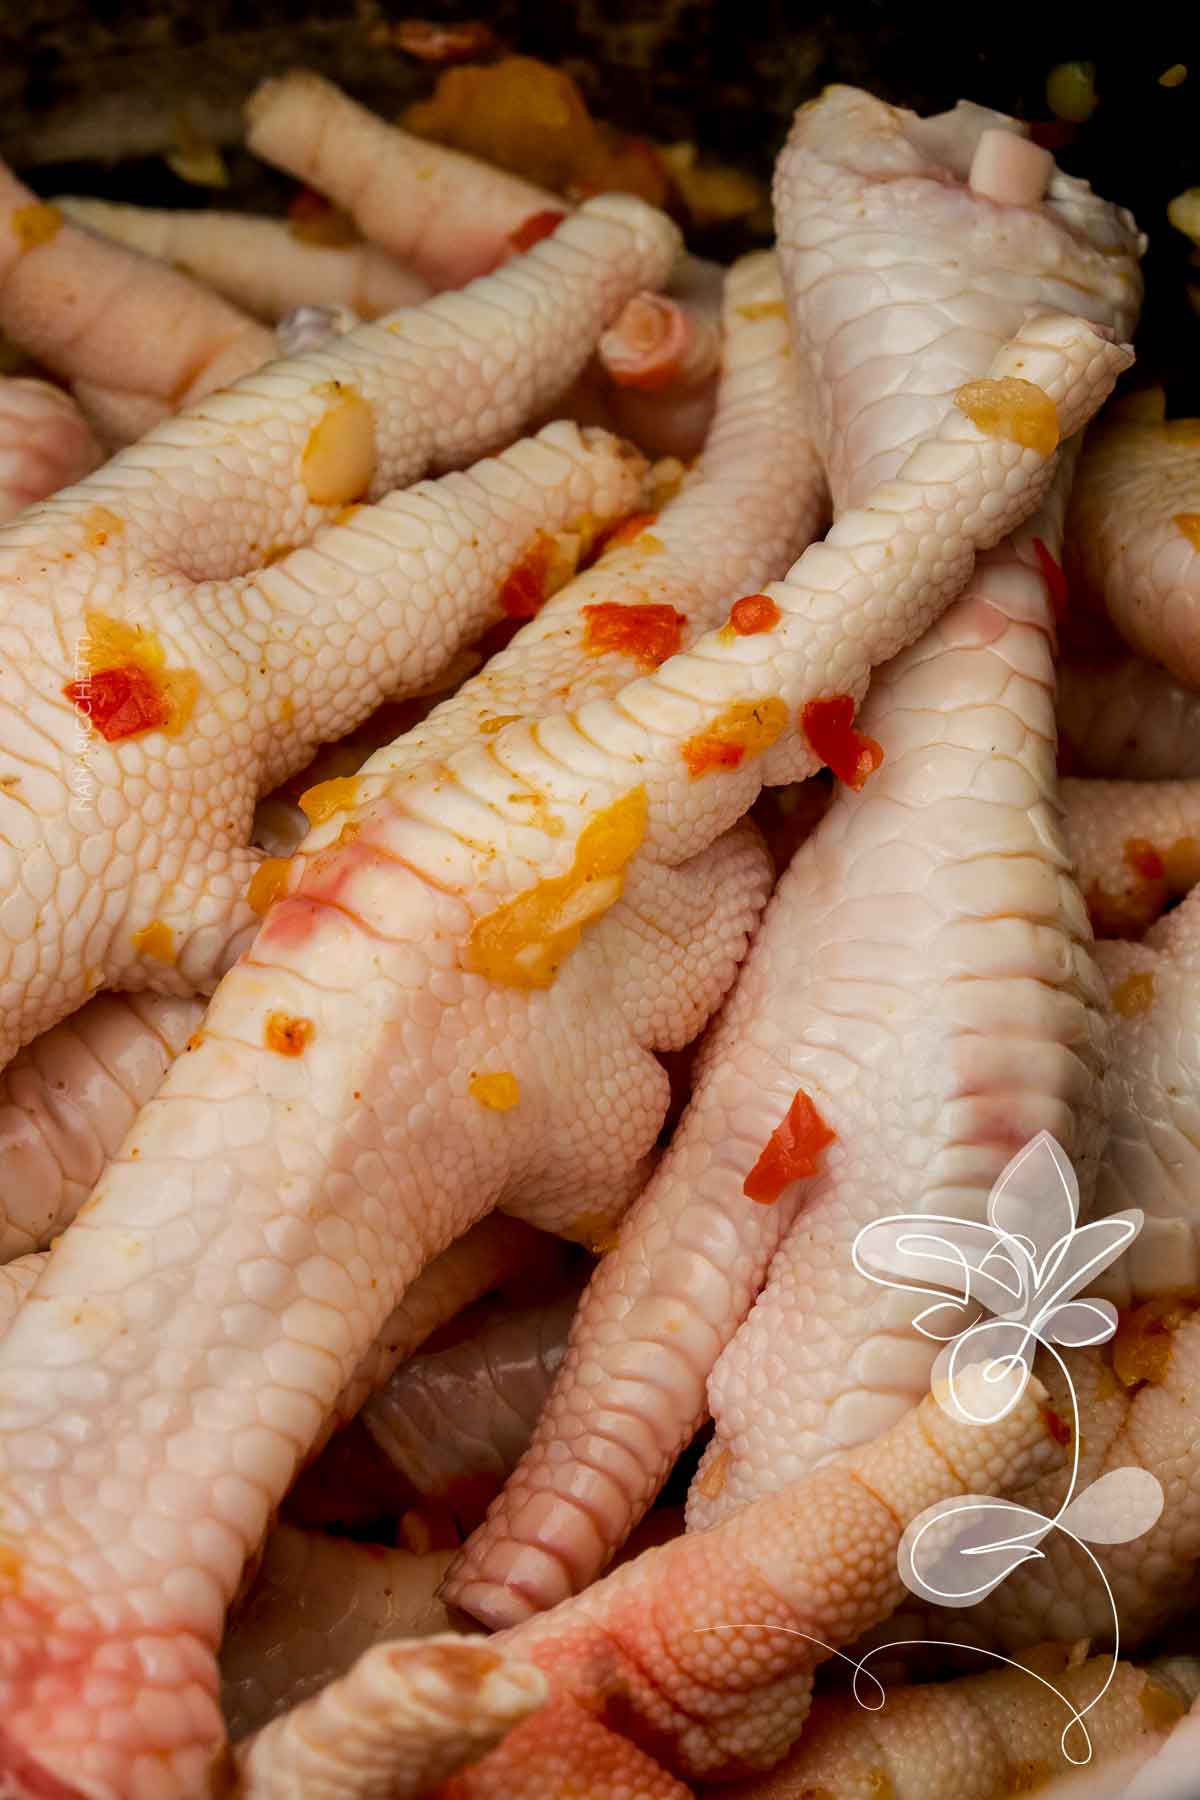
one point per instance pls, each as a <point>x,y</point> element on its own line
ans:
<point>532,230</point>
<point>828,726</point>
<point>648,633</point>
<point>121,703</point>
<point>790,1152</point>
<point>1056,581</point>
<point>752,614</point>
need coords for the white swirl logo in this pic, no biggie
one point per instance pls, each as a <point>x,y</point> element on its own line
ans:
<point>1025,1266</point>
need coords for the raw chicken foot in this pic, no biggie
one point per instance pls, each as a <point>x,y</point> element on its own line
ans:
<point>217,1294</point>
<point>898,272</point>
<point>121,860</point>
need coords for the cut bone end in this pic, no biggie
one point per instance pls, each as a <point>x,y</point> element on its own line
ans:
<point>1010,169</point>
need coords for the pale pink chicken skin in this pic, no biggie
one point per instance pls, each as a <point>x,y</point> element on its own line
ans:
<point>68,1099</point>
<point>256,1242</point>
<point>860,187</point>
<point>261,264</point>
<point>45,443</point>
<point>1139,1406</point>
<point>449,218</point>
<point>1135,846</point>
<point>403,1718</point>
<point>91,312</point>
<point>937,1005</point>
<point>441,214</point>
<point>1128,720</point>
<point>1134,537</point>
<point>103,841</point>
<point>982,1737</point>
<point>754,499</point>
<point>705,1649</point>
<point>1153,1094</point>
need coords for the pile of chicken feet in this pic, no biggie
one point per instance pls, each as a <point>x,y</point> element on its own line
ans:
<point>306,1104</point>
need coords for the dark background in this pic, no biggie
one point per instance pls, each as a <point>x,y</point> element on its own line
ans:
<point>91,90</point>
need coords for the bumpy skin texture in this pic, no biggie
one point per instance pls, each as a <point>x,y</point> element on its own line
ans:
<point>1135,846</point>
<point>45,443</point>
<point>93,313</point>
<point>101,840</point>
<point>402,1719</point>
<point>705,1648</point>
<point>220,1291</point>
<point>563,1750</point>
<point>449,218</point>
<point>1128,719</point>
<point>983,1737</point>
<point>1134,537</point>
<point>68,1099</point>
<point>753,501</point>
<point>1152,1159</point>
<point>903,283</point>
<point>921,974</point>
<point>861,187</point>
<point>315,1605</point>
<point>261,264</point>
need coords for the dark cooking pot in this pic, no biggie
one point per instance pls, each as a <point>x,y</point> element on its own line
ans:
<point>91,91</point>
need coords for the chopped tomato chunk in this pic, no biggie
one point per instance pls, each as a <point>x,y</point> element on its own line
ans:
<point>791,1151</point>
<point>752,614</point>
<point>829,727</point>
<point>120,703</point>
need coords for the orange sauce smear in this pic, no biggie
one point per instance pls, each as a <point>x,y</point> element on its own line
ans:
<point>267,883</point>
<point>746,728</point>
<point>1189,524</point>
<point>523,593</point>
<point>155,940</point>
<point>828,726</point>
<point>499,1092</point>
<point>328,797</point>
<point>35,224</point>
<point>624,533</point>
<point>288,1035</point>
<point>1134,995</point>
<point>524,942</point>
<point>1019,411</point>
<point>791,1151</point>
<point>647,633</point>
